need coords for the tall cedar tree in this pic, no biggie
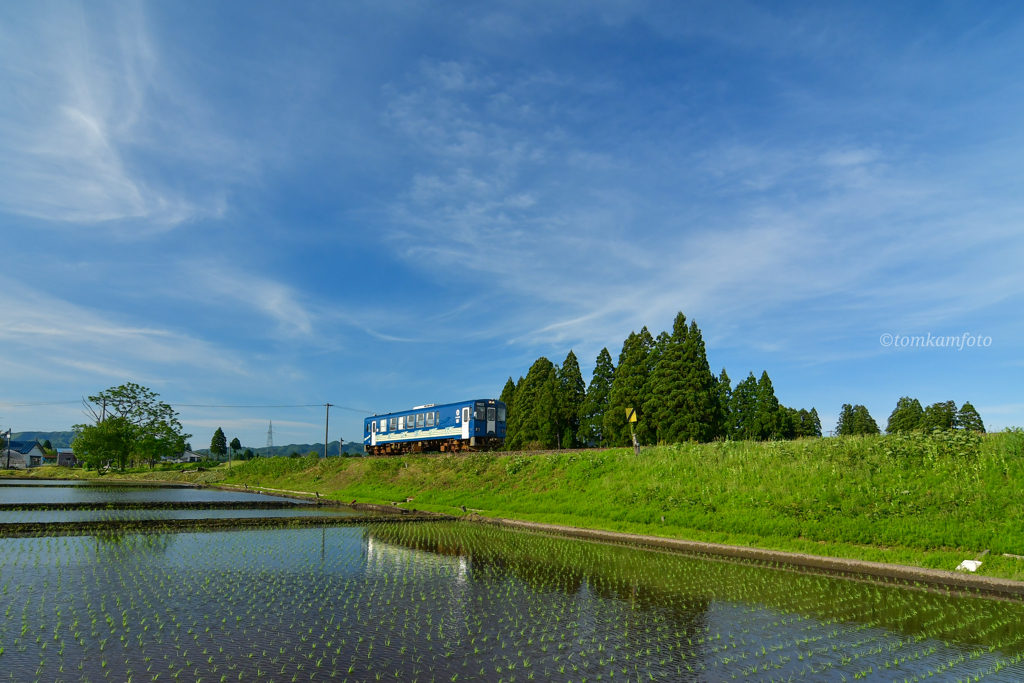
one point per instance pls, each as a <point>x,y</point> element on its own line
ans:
<point>742,423</point>
<point>768,415</point>
<point>854,420</point>
<point>939,416</point>
<point>629,390</point>
<point>532,422</point>
<point>572,392</point>
<point>219,443</point>
<point>508,397</point>
<point>801,423</point>
<point>596,402</point>
<point>905,417</point>
<point>683,401</point>
<point>810,423</point>
<point>665,390</point>
<point>724,388</point>
<point>969,419</point>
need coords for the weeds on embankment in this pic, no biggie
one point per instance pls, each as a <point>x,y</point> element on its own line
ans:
<point>924,500</point>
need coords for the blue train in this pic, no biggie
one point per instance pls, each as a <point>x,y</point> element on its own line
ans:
<point>465,426</point>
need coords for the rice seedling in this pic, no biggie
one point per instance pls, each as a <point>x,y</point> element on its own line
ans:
<point>451,601</point>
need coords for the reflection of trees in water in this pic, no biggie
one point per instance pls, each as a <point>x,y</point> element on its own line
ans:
<point>116,546</point>
<point>683,588</point>
<point>593,574</point>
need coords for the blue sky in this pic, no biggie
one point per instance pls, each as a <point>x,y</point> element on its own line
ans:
<point>388,204</point>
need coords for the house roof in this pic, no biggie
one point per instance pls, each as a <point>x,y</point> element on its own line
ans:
<point>24,447</point>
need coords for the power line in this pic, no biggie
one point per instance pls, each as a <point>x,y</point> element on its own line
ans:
<point>303,405</point>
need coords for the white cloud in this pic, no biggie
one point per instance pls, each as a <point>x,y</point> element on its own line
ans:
<point>727,231</point>
<point>77,82</point>
<point>271,298</point>
<point>42,331</point>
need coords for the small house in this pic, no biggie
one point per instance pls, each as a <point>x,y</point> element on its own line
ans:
<point>66,458</point>
<point>189,456</point>
<point>20,455</point>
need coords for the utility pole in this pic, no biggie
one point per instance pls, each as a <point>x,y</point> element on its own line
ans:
<point>8,448</point>
<point>327,424</point>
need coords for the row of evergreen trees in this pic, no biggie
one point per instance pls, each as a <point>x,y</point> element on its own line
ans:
<point>910,416</point>
<point>667,381</point>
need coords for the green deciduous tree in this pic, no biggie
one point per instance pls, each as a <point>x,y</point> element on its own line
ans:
<point>112,440</point>
<point>596,402</point>
<point>150,425</point>
<point>236,445</point>
<point>855,420</point>
<point>219,443</point>
<point>629,390</point>
<point>906,417</point>
<point>969,419</point>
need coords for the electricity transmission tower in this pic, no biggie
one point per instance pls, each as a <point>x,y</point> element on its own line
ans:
<point>270,437</point>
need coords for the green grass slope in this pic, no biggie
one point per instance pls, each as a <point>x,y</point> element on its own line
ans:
<point>920,500</point>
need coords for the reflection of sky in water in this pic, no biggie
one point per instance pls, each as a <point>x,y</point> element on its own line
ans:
<point>449,600</point>
<point>120,494</point>
<point>47,516</point>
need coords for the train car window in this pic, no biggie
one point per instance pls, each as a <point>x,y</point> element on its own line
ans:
<point>383,425</point>
<point>491,413</point>
<point>420,418</point>
<point>430,419</point>
<point>401,422</point>
<point>501,413</point>
<point>394,424</point>
<point>437,418</point>
<point>367,425</point>
<point>481,411</point>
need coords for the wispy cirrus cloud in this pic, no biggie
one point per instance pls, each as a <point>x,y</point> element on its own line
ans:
<point>78,112</point>
<point>42,331</point>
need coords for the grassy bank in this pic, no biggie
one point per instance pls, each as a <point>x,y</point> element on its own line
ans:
<point>928,501</point>
<point>184,475</point>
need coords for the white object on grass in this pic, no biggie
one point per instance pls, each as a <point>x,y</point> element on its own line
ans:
<point>969,566</point>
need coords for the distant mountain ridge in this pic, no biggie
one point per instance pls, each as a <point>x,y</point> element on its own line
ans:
<point>350,448</point>
<point>56,439</point>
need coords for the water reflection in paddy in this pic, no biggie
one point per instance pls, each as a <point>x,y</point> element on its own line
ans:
<point>132,493</point>
<point>450,601</point>
<point>55,516</point>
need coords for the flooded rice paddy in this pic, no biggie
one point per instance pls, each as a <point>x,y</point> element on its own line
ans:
<point>456,601</point>
<point>132,493</point>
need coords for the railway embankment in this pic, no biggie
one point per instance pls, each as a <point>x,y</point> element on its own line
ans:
<point>927,501</point>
